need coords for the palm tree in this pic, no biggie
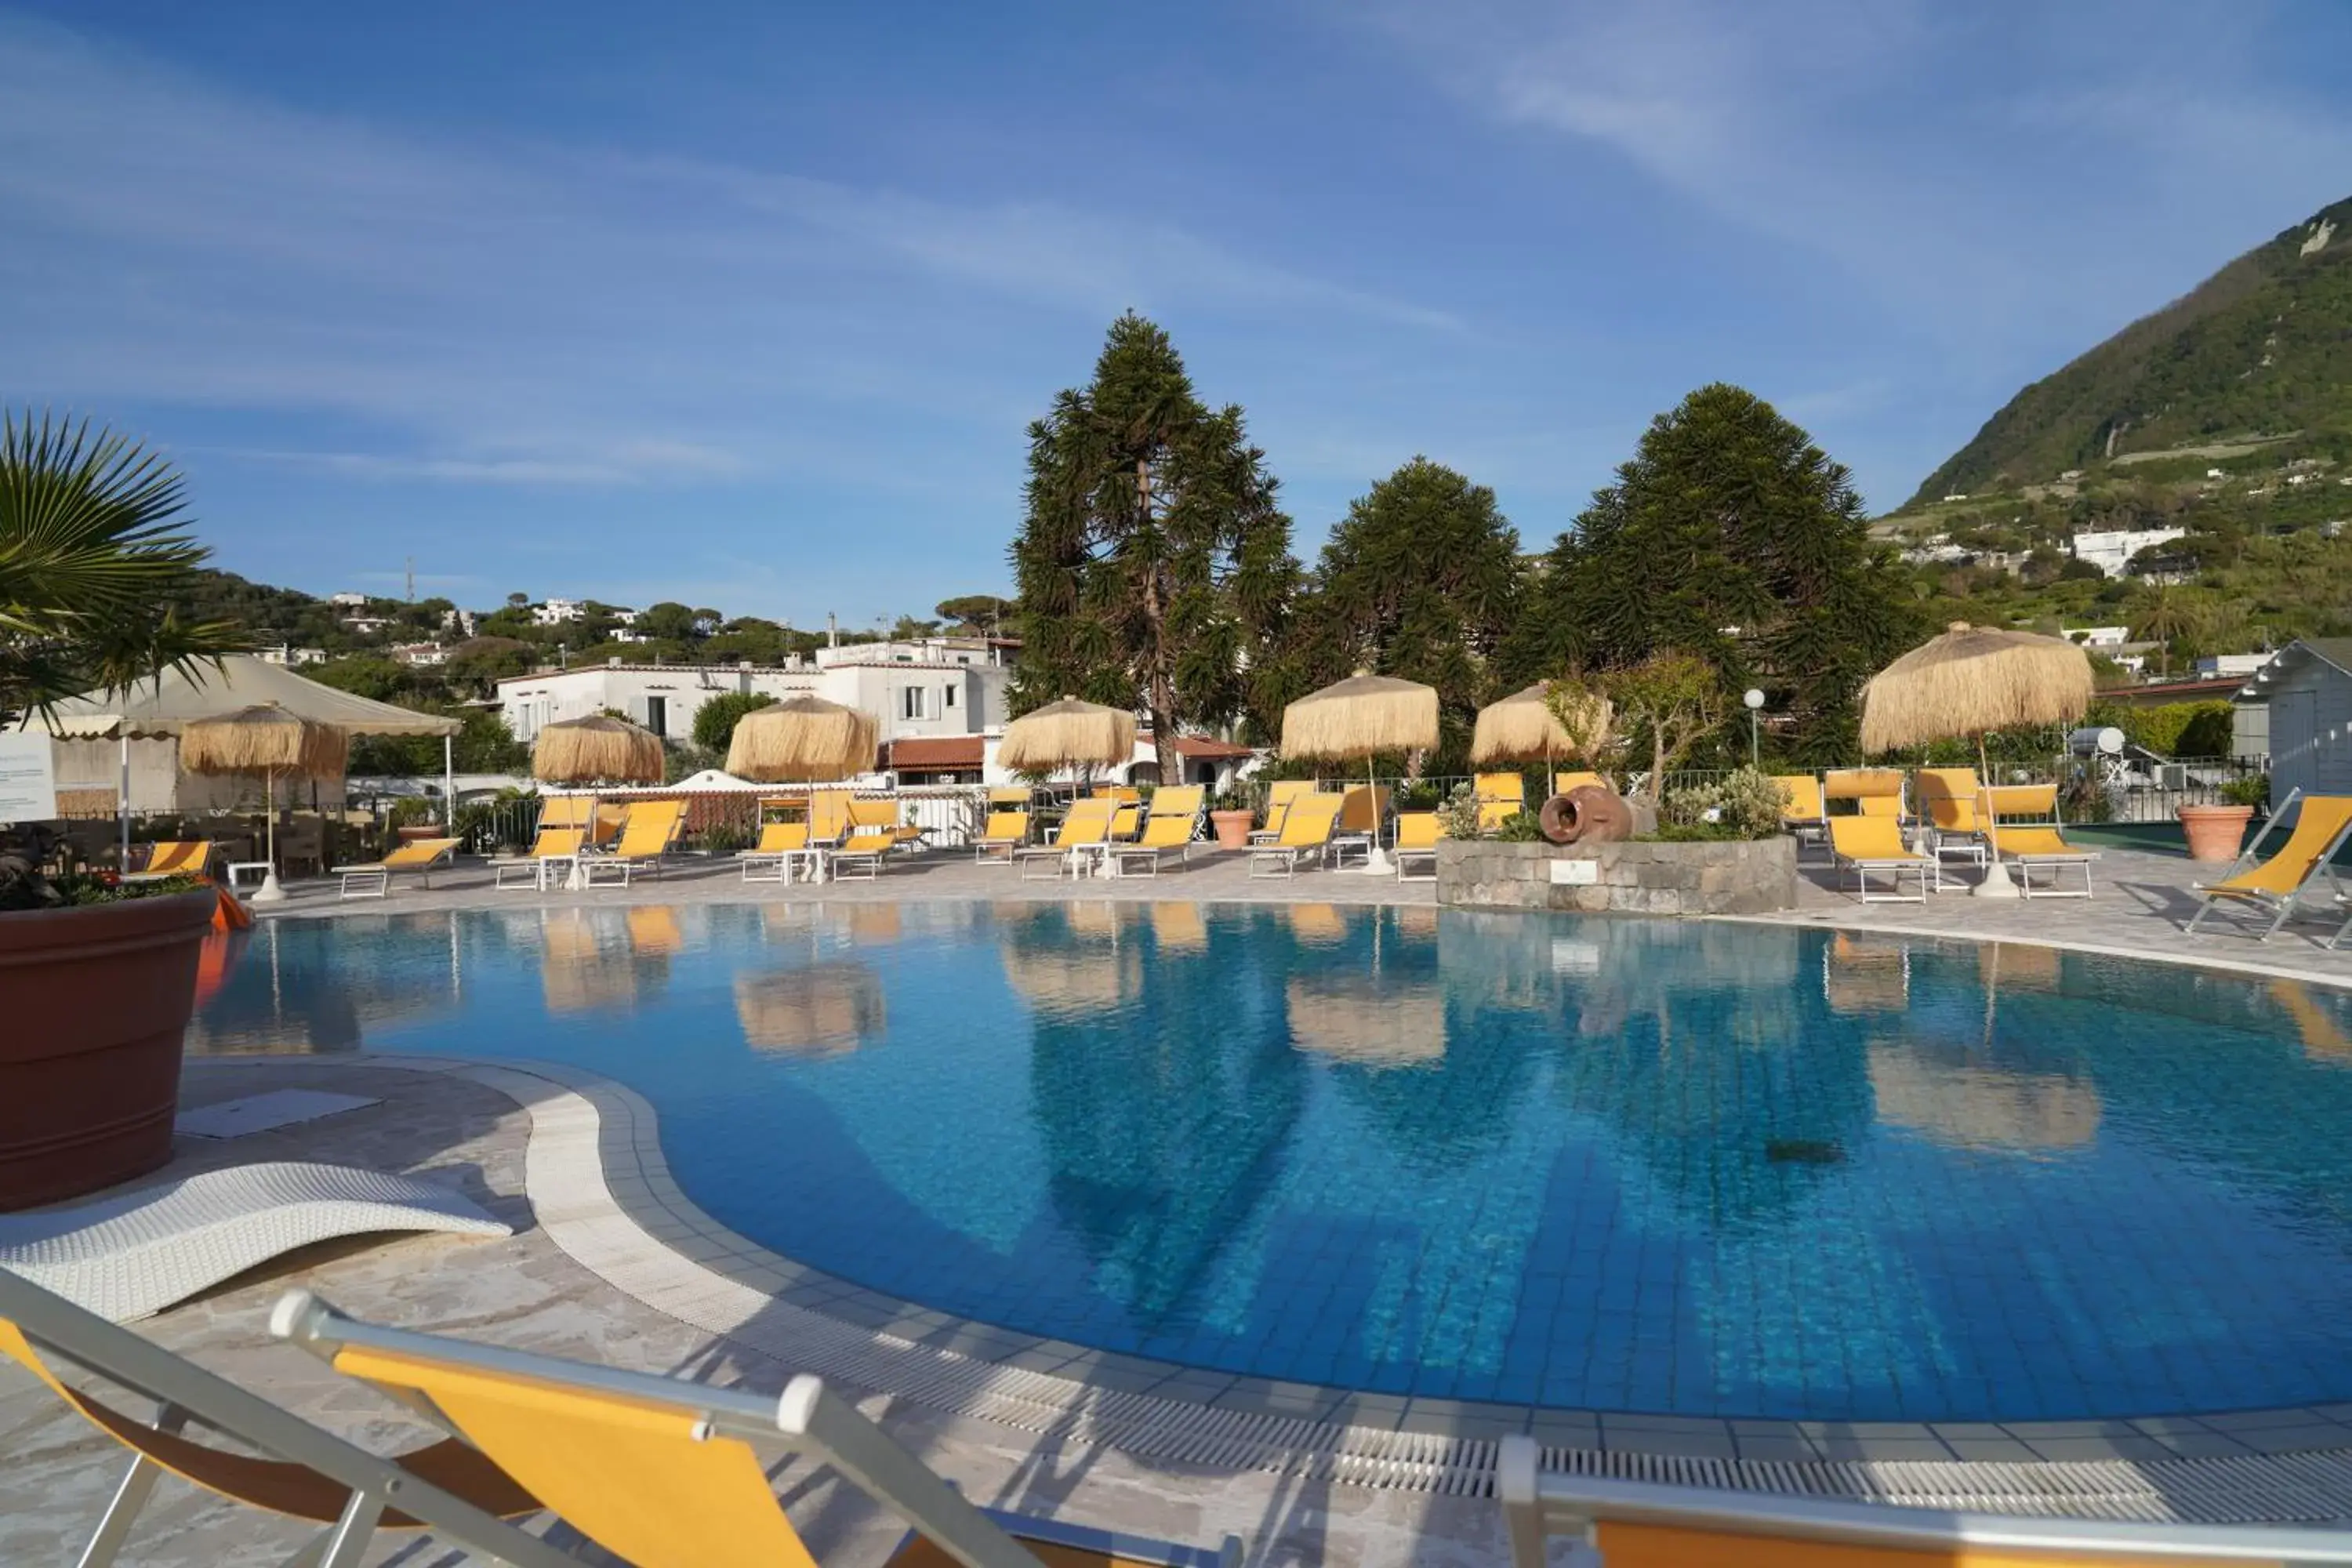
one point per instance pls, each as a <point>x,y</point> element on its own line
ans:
<point>2163,613</point>
<point>92,552</point>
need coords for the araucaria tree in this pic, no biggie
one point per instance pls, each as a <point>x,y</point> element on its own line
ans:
<point>1420,580</point>
<point>1154,567</point>
<point>1729,536</point>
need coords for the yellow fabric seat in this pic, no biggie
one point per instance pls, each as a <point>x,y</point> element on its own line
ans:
<point>2038,844</point>
<point>1005,832</point>
<point>1085,827</point>
<point>176,858</point>
<point>861,853</point>
<point>1874,843</point>
<point>662,1472</point>
<point>547,844</point>
<point>2280,884</point>
<point>1802,809</point>
<point>649,831</point>
<point>1500,797</point>
<point>1278,796</point>
<point>764,861</point>
<point>1872,792</point>
<point>1561,783</point>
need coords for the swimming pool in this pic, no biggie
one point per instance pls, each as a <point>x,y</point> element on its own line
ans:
<point>1697,1168</point>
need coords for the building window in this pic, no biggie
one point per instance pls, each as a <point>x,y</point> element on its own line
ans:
<point>910,702</point>
<point>657,715</point>
<point>947,696</point>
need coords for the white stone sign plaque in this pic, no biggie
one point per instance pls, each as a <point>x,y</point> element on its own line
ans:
<point>1575,873</point>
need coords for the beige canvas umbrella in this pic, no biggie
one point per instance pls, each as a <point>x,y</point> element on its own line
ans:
<point>1361,716</point>
<point>1969,682</point>
<point>596,749</point>
<point>1068,734</point>
<point>805,740</point>
<point>266,740</point>
<point>1519,728</point>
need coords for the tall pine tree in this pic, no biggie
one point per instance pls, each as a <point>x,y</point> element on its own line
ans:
<point>1731,536</point>
<point>1154,567</point>
<point>1420,580</point>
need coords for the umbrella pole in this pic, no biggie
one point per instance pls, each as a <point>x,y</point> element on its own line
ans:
<point>1996,883</point>
<point>269,892</point>
<point>123,804</point>
<point>1376,862</point>
<point>449,782</point>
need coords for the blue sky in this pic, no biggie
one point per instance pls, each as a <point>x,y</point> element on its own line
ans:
<point>749,305</point>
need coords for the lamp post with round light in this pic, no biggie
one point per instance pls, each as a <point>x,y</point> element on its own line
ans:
<point>1754,701</point>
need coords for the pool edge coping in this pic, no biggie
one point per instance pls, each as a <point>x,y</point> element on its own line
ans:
<point>600,1187</point>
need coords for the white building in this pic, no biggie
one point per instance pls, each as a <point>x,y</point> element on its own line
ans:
<point>2111,553</point>
<point>556,612</point>
<point>348,601</point>
<point>2097,636</point>
<point>2232,665</point>
<point>930,689</point>
<point>291,658</point>
<point>424,653</point>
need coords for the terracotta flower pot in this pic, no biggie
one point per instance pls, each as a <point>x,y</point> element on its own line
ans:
<point>95,1001</point>
<point>2215,832</point>
<point>1231,828</point>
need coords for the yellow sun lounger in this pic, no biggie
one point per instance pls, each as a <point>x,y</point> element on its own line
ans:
<point>2280,884</point>
<point>1875,791</point>
<point>1006,832</point>
<point>2038,844</point>
<point>1306,831</point>
<point>295,1470</point>
<point>1085,831</point>
<point>1952,800</point>
<point>664,1473</point>
<point>420,856</point>
<point>1417,833</point>
<point>175,857</point>
<point>648,833</point>
<point>764,861</point>
<point>1640,1524</point>
<point>1561,783</point>
<point>1802,809</point>
<point>1278,796</point>
<point>1162,837</point>
<point>1874,843</point>
<point>550,844</point>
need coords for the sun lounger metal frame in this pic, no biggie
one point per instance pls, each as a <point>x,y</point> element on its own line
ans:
<point>1927,868</point>
<point>809,1419</point>
<point>186,1394</point>
<point>1401,851</point>
<point>1725,1528</point>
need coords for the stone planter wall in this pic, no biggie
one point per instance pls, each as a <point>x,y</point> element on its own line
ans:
<point>1629,879</point>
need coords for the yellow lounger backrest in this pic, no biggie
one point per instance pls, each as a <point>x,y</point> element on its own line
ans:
<point>1088,822</point>
<point>1129,816</point>
<point>1501,786</point>
<point>650,828</point>
<point>421,852</point>
<point>644,1481</point>
<point>868,841</point>
<point>1309,821</point>
<point>1417,830</point>
<point>566,810</point>
<point>1009,797</point>
<point>775,837</point>
<point>873,814</point>
<point>1563,782</point>
<point>1949,797</point>
<point>1006,828</point>
<point>1166,832</point>
<point>1278,796</point>
<point>828,815</point>
<point>2316,825</point>
<point>1362,808</point>
<point>1802,793</point>
<point>1861,783</point>
<point>1889,806</point>
<point>1869,837</point>
<point>2039,801</point>
<point>180,855</point>
<point>1177,800</point>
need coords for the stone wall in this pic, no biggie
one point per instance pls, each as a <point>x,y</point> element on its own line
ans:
<point>1626,879</point>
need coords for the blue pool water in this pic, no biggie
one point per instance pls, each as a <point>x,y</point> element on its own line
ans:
<point>1631,1165</point>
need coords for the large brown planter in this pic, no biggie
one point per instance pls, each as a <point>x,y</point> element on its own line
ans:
<point>92,1005</point>
<point>1231,828</point>
<point>2215,832</point>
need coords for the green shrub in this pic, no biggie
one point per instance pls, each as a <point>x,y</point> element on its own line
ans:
<point>1743,803</point>
<point>725,838</point>
<point>1458,818</point>
<point>2253,790</point>
<point>715,721</point>
<point>1520,827</point>
<point>2181,729</point>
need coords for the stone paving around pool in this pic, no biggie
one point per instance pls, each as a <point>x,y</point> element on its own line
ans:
<point>611,1264</point>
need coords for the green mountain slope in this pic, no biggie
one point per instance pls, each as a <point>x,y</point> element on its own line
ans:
<point>2261,348</point>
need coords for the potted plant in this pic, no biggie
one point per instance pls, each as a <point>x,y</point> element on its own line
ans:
<point>2215,832</point>
<point>1229,820</point>
<point>97,977</point>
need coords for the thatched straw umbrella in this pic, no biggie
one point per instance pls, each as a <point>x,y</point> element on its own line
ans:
<point>1519,728</point>
<point>1360,717</point>
<point>1970,682</point>
<point>805,740</point>
<point>266,740</point>
<point>596,749</point>
<point>1068,734</point>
